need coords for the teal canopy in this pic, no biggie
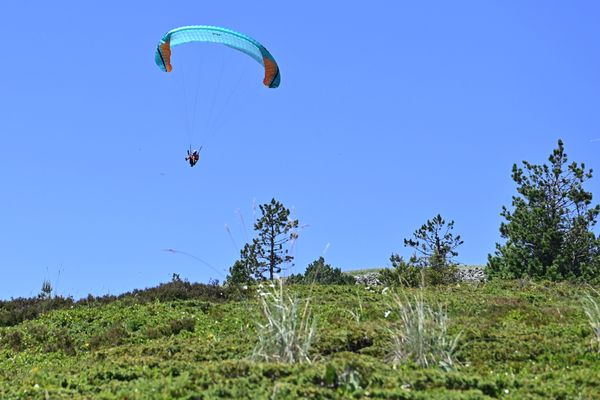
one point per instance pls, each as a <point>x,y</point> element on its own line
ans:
<point>214,34</point>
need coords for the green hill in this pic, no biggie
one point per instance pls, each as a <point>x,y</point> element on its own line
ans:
<point>518,340</point>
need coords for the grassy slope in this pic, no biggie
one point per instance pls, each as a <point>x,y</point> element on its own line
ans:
<point>521,341</point>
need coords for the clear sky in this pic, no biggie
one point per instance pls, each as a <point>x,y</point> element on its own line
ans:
<point>388,113</point>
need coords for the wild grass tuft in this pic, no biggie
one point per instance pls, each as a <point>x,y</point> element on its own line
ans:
<point>591,307</point>
<point>421,334</point>
<point>289,328</point>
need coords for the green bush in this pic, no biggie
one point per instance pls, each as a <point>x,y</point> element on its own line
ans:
<point>14,339</point>
<point>240,274</point>
<point>414,274</point>
<point>173,327</point>
<point>179,290</point>
<point>61,340</point>
<point>401,273</point>
<point>15,311</point>
<point>321,273</point>
<point>115,335</point>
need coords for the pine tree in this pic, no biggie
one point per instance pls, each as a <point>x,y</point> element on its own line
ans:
<point>269,250</point>
<point>549,231</point>
<point>436,246</point>
<point>435,243</point>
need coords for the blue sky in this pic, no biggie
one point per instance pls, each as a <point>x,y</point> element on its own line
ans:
<point>388,113</point>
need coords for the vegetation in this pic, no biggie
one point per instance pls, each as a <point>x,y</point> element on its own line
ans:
<point>591,306</point>
<point>288,331</point>
<point>534,334</point>
<point>46,291</point>
<point>268,250</point>
<point>435,246</point>
<point>518,340</point>
<point>16,311</point>
<point>319,272</point>
<point>402,273</point>
<point>421,334</point>
<point>240,273</point>
<point>549,233</point>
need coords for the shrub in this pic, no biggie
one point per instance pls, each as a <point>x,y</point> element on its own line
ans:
<point>15,340</point>
<point>321,273</point>
<point>414,274</point>
<point>441,276</point>
<point>349,380</point>
<point>173,327</point>
<point>113,336</point>
<point>178,290</point>
<point>61,340</point>
<point>15,311</point>
<point>240,274</point>
<point>39,333</point>
<point>401,273</point>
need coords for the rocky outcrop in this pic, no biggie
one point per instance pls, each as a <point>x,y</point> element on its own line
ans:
<point>368,279</point>
<point>471,274</point>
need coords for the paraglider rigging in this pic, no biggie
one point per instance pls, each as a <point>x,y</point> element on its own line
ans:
<point>219,35</point>
<point>193,156</point>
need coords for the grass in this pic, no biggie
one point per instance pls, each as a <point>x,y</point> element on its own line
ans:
<point>518,340</point>
<point>591,307</point>
<point>288,329</point>
<point>421,334</point>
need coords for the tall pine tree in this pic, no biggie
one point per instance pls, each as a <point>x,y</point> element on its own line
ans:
<point>549,231</point>
<point>269,250</point>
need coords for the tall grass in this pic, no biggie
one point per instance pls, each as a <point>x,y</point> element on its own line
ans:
<point>288,328</point>
<point>421,334</point>
<point>591,307</point>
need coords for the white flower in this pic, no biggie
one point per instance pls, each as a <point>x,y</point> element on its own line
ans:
<point>386,314</point>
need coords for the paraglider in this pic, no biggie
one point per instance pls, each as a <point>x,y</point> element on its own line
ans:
<point>227,37</point>
<point>193,156</point>
<point>215,34</point>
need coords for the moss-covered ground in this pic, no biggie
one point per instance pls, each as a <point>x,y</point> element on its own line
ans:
<point>519,340</point>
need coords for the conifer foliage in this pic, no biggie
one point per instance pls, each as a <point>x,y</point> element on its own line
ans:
<point>263,258</point>
<point>549,233</point>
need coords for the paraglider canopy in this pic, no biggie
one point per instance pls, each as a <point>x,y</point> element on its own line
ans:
<point>214,34</point>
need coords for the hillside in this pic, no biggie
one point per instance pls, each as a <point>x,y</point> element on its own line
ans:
<point>518,340</point>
